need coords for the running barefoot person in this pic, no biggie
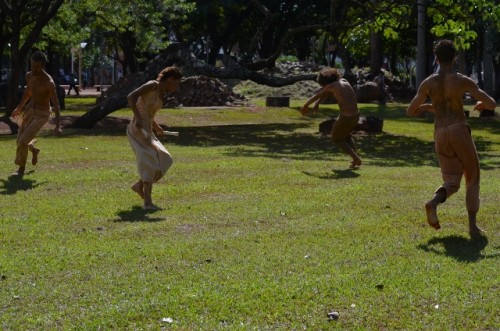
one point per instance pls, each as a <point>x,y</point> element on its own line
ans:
<point>153,160</point>
<point>40,92</point>
<point>333,85</point>
<point>453,141</point>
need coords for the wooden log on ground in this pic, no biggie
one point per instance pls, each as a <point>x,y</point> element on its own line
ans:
<point>487,113</point>
<point>276,101</point>
<point>370,124</point>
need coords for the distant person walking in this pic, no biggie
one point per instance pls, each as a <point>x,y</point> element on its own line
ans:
<point>453,141</point>
<point>153,160</point>
<point>335,86</point>
<point>72,84</point>
<point>40,92</point>
<point>384,94</point>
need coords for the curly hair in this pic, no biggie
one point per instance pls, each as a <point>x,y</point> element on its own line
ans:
<point>173,72</point>
<point>327,76</point>
<point>445,51</point>
<point>39,57</point>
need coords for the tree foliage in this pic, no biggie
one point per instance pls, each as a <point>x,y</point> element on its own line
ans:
<point>254,32</point>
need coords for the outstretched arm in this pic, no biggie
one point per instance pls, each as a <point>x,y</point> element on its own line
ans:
<point>417,105</point>
<point>484,101</point>
<point>321,94</point>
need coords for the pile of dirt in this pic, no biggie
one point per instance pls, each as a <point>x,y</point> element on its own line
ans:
<point>299,90</point>
<point>203,91</point>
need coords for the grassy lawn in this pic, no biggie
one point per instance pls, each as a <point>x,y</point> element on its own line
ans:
<point>263,227</point>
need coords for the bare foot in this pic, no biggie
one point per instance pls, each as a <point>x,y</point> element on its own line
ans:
<point>476,231</point>
<point>34,159</point>
<point>432,218</point>
<point>355,164</point>
<point>19,172</point>
<point>139,189</point>
<point>150,207</point>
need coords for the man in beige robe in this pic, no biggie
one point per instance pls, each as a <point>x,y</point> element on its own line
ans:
<point>35,109</point>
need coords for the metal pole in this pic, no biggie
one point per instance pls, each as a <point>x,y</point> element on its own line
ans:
<point>72,61</point>
<point>421,51</point>
<point>79,68</point>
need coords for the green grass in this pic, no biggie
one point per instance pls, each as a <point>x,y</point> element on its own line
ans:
<point>263,227</point>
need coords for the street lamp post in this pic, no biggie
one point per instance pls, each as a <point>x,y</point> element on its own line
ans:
<point>82,46</point>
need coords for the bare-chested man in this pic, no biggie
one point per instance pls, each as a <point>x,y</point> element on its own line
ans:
<point>40,92</point>
<point>333,85</point>
<point>453,141</point>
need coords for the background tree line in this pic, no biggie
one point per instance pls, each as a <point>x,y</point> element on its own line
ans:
<point>362,33</point>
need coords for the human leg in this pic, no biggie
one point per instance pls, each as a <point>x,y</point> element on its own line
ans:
<point>148,201</point>
<point>351,143</point>
<point>31,124</point>
<point>451,174</point>
<point>34,151</point>
<point>347,149</point>
<point>431,207</point>
<point>22,141</point>
<point>138,188</point>
<point>467,154</point>
<point>341,137</point>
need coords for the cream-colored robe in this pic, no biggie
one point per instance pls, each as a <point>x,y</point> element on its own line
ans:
<point>153,159</point>
<point>32,121</point>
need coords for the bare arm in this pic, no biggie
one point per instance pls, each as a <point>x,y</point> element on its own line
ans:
<point>484,101</point>
<point>157,128</point>
<point>135,94</point>
<point>26,96</point>
<point>55,107</point>
<point>417,105</point>
<point>316,104</point>
<point>320,95</point>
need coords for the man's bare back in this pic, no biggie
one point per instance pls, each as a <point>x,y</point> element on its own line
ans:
<point>446,90</point>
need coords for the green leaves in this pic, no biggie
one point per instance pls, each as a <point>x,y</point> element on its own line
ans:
<point>456,20</point>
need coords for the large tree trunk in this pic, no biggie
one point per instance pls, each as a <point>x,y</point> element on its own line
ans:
<point>176,54</point>
<point>376,57</point>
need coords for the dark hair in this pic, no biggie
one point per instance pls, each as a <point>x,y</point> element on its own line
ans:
<point>327,76</point>
<point>39,57</point>
<point>173,72</point>
<point>445,51</point>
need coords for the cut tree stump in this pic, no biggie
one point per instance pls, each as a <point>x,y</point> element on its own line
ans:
<point>278,101</point>
<point>487,113</point>
<point>369,124</point>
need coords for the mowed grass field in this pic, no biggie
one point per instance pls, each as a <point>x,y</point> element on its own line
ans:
<point>262,227</point>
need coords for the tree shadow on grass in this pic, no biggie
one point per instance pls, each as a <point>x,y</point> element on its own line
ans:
<point>335,174</point>
<point>137,214</point>
<point>282,140</point>
<point>13,184</point>
<point>278,140</point>
<point>460,248</point>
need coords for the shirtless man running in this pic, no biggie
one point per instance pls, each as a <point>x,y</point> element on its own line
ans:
<point>40,92</point>
<point>453,141</point>
<point>333,85</point>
